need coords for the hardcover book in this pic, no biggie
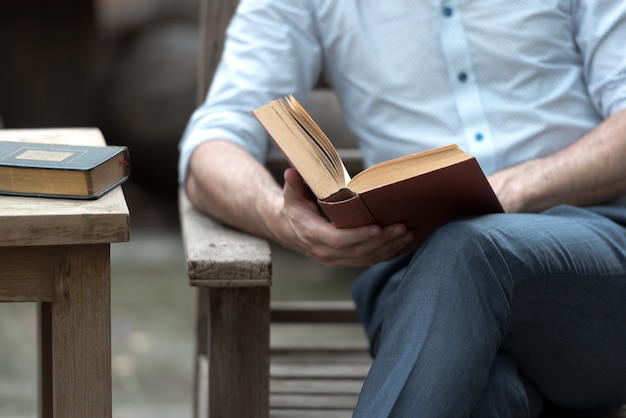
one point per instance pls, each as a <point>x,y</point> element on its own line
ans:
<point>63,171</point>
<point>422,190</point>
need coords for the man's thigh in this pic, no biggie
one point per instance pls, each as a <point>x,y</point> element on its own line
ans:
<point>567,324</point>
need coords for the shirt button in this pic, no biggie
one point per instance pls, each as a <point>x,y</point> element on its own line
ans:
<point>479,136</point>
<point>462,77</point>
<point>447,11</point>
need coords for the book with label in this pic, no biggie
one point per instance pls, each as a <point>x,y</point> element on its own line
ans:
<point>61,171</point>
<point>421,190</point>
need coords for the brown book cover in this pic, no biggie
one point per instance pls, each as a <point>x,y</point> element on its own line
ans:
<point>422,190</point>
<point>62,171</point>
<point>422,203</point>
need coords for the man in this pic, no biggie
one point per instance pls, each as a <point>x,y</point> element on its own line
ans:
<point>493,316</point>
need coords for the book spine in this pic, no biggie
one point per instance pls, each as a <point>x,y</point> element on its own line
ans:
<point>349,213</point>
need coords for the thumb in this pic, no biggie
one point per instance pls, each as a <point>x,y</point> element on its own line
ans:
<point>294,184</point>
<point>295,188</point>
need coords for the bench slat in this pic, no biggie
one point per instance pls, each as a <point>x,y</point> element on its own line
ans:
<point>299,413</point>
<point>316,386</point>
<point>314,312</point>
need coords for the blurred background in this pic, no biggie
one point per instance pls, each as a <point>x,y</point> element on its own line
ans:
<point>129,68</point>
<point>125,66</point>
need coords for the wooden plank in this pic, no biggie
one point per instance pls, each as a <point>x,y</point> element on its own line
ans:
<point>214,18</point>
<point>81,332</point>
<point>334,348</point>
<point>239,352</point>
<point>314,311</point>
<point>219,256</point>
<point>313,402</point>
<point>26,274</point>
<point>339,371</point>
<point>38,221</point>
<point>316,386</point>
<point>314,356</point>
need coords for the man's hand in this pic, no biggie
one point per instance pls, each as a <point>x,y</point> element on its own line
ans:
<point>306,231</point>
<point>514,185</point>
<point>590,171</point>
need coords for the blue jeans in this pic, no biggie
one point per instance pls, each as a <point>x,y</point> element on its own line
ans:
<point>496,314</point>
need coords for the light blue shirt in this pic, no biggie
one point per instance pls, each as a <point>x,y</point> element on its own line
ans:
<point>507,81</point>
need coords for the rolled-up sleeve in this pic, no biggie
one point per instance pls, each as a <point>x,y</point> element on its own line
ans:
<point>601,32</point>
<point>272,49</point>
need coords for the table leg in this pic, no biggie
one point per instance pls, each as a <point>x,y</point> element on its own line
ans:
<point>81,332</point>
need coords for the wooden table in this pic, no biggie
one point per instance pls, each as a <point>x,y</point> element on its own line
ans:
<point>57,252</point>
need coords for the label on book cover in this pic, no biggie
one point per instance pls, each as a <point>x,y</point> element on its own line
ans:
<point>42,155</point>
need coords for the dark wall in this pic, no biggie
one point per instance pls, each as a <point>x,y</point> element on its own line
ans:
<point>46,62</point>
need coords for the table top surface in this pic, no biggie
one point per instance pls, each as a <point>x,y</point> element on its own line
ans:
<point>50,221</point>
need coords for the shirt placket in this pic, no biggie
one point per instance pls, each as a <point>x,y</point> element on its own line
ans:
<point>455,47</point>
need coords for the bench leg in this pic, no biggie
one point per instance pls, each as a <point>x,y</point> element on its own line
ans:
<point>237,346</point>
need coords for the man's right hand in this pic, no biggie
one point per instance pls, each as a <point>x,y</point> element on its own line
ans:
<point>305,230</point>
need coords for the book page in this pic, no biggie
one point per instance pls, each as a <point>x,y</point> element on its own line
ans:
<point>302,151</point>
<point>406,167</point>
<point>332,160</point>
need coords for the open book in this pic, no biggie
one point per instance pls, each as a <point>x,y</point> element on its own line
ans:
<point>421,190</point>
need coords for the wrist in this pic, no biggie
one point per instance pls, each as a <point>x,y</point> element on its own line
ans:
<point>268,210</point>
<point>533,190</point>
<point>521,188</point>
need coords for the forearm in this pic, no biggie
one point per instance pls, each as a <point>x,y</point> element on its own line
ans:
<point>227,183</point>
<point>592,170</point>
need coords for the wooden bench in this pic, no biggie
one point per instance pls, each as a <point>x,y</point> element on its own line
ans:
<point>235,368</point>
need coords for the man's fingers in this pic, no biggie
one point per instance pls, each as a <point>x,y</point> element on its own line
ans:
<point>294,185</point>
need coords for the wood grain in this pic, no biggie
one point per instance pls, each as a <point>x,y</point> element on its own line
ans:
<point>57,252</point>
<point>219,256</point>
<point>214,18</point>
<point>26,221</point>
<point>239,352</point>
<point>26,274</point>
<point>81,332</point>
